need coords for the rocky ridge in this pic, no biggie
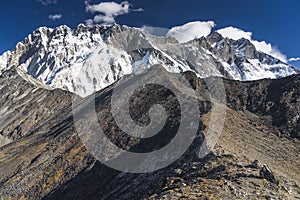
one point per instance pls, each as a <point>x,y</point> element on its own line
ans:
<point>50,161</point>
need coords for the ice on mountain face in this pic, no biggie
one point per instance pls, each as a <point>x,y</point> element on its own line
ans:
<point>4,59</point>
<point>103,67</point>
<point>48,54</point>
<point>243,62</point>
<point>232,70</point>
<point>143,64</point>
<point>90,58</point>
<point>152,57</point>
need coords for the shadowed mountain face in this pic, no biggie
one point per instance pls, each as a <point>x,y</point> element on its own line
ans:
<point>277,101</point>
<point>45,158</point>
<point>25,103</point>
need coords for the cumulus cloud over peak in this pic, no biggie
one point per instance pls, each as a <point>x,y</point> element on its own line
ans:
<point>55,16</point>
<point>197,29</point>
<point>191,30</point>
<point>108,11</point>
<point>235,34</point>
<point>294,59</point>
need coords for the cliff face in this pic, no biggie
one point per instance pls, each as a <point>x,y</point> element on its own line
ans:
<point>255,155</point>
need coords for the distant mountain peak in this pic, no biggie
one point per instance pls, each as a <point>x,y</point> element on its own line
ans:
<point>52,54</point>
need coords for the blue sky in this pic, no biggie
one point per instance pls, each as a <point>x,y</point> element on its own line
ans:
<point>274,21</point>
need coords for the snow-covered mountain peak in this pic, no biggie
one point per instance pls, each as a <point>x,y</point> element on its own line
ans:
<point>215,37</point>
<point>106,53</point>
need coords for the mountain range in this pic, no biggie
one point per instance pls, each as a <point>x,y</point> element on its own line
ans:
<point>106,53</point>
<point>43,156</point>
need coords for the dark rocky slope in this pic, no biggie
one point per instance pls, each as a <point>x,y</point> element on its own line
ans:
<point>52,163</point>
<point>278,101</point>
<point>26,102</point>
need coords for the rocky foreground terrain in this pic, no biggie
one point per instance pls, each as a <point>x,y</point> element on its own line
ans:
<point>256,156</point>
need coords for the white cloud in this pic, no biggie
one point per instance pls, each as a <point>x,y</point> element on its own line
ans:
<point>109,11</point>
<point>294,59</point>
<point>235,34</point>
<point>191,30</point>
<point>55,17</point>
<point>47,2</point>
<point>107,19</point>
<point>89,22</point>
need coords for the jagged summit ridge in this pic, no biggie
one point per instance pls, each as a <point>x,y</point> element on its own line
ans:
<point>103,54</point>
